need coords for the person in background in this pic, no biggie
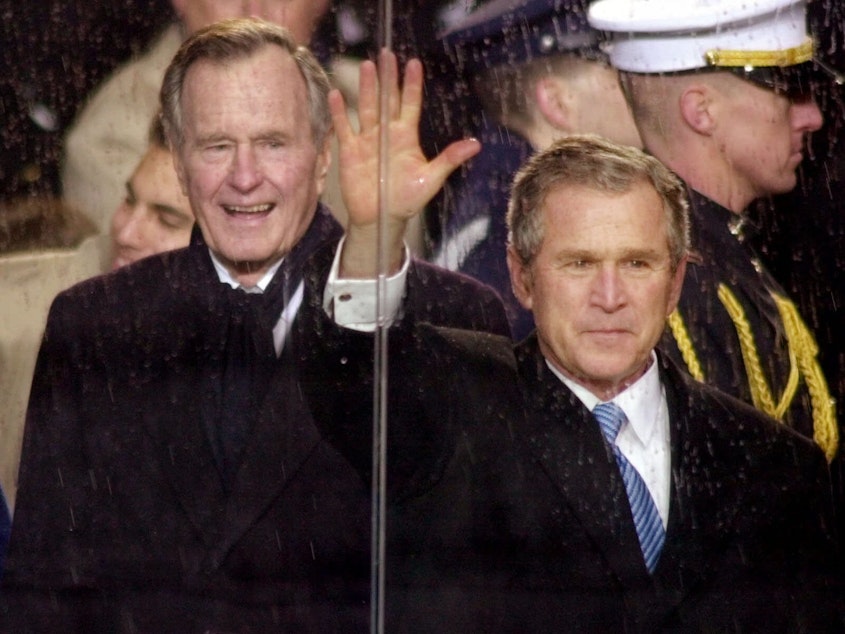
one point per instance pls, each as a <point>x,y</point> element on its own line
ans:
<point>538,74</point>
<point>725,99</point>
<point>45,247</point>
<point>155,215</point>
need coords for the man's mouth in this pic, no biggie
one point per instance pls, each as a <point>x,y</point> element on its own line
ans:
<point>233,210</point>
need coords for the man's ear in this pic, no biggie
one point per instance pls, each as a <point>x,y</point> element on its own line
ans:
<point>677,285</point>
<point>554,102</point>
<point>521,280</point>
<point>697,108</point>
<point>324,161</point>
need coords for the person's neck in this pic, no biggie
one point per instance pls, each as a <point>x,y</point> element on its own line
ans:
<point>731,198</point>
<point>604,390</point>
<point>246,274</point>
<point>705,173</point>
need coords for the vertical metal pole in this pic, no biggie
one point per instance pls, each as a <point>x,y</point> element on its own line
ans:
<point>379,486</point>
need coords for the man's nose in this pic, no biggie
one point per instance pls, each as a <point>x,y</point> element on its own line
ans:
<point>608,288</point>
<point>129,226</point>
<point>245,174</point>
<point>806,115</point>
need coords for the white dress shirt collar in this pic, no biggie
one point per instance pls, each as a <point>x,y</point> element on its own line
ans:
<point>283,325</point>
<point>645,439</point>
<point>636,400</point>
<point>227,278</point>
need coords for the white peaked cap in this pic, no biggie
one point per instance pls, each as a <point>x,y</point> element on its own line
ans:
<point>658,36</point>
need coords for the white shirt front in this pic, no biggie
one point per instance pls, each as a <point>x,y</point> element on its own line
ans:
<point>352,303</point>
<point>644,440</point>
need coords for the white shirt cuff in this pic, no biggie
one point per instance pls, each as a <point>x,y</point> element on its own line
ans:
<point>352,303</point>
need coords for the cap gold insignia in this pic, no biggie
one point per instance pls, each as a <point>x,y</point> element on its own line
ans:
<point>786,57</point>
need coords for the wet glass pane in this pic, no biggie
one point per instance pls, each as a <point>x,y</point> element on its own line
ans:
<point>413,486</point>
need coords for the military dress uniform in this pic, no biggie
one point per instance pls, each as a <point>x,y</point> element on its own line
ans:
<point>736,328</point>
<point>500,34</point>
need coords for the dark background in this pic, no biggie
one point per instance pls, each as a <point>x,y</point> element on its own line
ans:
<point>52,53</point>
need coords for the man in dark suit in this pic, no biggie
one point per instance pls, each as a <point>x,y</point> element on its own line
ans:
<point>175,475</point>
<point>696,513</point>
<point>647,502</point>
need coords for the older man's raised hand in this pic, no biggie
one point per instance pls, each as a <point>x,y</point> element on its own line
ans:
<point>411,179</point>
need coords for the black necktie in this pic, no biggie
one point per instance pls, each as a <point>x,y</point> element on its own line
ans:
<point>249,358</point>
<point>248,363</point>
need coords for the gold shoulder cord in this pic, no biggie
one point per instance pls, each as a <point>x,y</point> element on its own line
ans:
<point>682,338</point>
<point>825,428</point>
<point>802,361</point>
<point>761,393</point>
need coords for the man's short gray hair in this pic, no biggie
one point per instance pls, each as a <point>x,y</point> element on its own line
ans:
<point>587,160</point>
<point>237,39</point>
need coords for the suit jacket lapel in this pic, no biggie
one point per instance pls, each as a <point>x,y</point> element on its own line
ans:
<point>701,514</point>
<point>569,445</point>
<point>283,436</point>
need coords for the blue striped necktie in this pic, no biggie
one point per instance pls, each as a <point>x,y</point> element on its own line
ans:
<point>646,518</point>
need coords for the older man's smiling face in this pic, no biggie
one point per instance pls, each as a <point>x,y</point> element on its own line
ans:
<point>248,163</point>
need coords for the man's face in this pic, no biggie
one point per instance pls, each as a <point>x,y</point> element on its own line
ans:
<point>601,285</point>
<point>762,135</point>
<point>155,216</point>
<point>300,17</point>
<point>248,162</point>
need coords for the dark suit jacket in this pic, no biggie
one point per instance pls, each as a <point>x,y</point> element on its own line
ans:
<point>123,523</point>
<point>453,479</point>
<point>748,546</point>
<point>529,529</point>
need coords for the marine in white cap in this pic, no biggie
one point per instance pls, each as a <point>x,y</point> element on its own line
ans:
<point>721,92</point>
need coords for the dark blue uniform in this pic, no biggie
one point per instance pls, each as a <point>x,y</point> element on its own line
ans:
<point>475,237</point>
<point>735,328</point>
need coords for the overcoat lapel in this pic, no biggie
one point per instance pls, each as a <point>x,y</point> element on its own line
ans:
<point>187,462</point>
<point>283,434</point>
<point>282,440</point>
<point>701,514</point>
<point>569,445</point>
<point>182,434</point>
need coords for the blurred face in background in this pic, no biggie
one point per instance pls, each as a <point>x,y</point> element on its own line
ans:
<point>300,17</point>
<point>600,105</point>
<point>155,216</point>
